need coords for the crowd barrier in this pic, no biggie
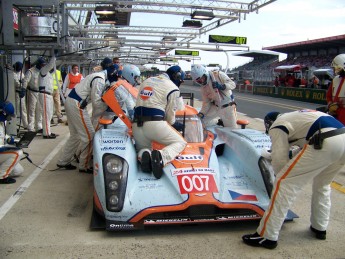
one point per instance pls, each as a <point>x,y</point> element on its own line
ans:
<point>298,94</point>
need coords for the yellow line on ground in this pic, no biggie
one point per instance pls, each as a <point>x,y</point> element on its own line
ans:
<point>338,186</point>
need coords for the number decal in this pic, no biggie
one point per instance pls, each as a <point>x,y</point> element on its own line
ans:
<point>197,183</point>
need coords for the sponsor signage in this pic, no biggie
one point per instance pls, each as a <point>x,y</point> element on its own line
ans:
<point>299,94</point>
<point>227,39</point>
<point>15,19</point>
<point>193,53</point>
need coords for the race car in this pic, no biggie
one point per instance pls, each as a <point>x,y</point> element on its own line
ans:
<point>220,176</point>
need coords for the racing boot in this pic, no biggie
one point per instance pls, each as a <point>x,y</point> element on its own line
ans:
<point>318,233</point>
<point>157,164</point>
<point>7,180</point>
<point>257,240</point>
<point>146,162</point>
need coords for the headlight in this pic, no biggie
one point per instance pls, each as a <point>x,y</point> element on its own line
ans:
<point>113,200</point>
<point>115,171</point>
<point>113,185</point>
<point>113,165</point>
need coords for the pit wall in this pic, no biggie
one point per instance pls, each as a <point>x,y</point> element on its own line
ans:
<point>298,94</point>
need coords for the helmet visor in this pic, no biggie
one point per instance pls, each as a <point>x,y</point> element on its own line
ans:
<point>201,80</point>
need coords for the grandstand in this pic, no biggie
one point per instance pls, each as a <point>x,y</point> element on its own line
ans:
<point>311,55</point>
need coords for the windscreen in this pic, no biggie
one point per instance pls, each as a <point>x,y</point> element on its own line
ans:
<point>194,131</point>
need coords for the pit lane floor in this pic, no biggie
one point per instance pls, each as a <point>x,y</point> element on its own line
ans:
<point>46,214</point>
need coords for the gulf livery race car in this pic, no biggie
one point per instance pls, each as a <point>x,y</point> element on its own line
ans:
<point>219,177</point>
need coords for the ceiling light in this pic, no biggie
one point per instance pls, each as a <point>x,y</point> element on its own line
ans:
<point>202,15</point>
<point>192,24</point>
<point>169,38</point>
<point>111,36</point>
<point>104,10</point>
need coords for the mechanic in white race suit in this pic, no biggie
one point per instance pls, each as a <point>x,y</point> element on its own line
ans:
<point>80,125</point>
<point>18,77</point>
<point>98,105</point>
<point>31,84</point>
<point>125,94</point>
<point>9,155</point>
<point>217,98</point>
<point>318,161</point>
<point>45,97</point>
<point>154,116</point>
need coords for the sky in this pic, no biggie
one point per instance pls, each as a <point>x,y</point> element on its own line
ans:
<point>281,22</point>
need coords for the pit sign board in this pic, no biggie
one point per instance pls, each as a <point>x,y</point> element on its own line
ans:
<point>227,39</point>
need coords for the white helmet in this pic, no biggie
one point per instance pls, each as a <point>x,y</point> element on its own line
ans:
<point>197,73</point>
<point>338,63</point>
<point>131,73</point>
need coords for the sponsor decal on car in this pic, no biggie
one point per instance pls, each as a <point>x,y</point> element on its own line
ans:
<point>195,180</point>
<point>243,195</point>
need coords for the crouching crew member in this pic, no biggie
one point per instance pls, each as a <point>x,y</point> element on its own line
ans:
<point>322,156</point>
<point>9,155</point>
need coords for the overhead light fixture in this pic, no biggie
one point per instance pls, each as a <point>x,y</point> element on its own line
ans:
<point>192,24</point>
<point>169,38</point>
<point>104,10</point>
<point>106,14</point>
<point>110,36</point>
<point>202,15</point>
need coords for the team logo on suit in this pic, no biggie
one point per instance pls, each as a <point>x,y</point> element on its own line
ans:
<point>146,93</point>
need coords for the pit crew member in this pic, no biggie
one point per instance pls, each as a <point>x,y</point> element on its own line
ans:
<point>217,98</point>
<point>322,155</point>
<point>154,116</point>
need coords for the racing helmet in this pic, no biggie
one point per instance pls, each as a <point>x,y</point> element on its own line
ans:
<point>106,62</point>
<point>40,62</point>
<point>113,72</point>
<point>132,74</point>
<point>269,119</point>
<point>6,111</point>
<point>18,66</point>
<point>199,74</point>
<point>338,64</point>
<point>176,74</point>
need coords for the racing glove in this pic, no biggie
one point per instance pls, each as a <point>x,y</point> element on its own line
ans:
<point>131,114</point>
<point>218,86</point>
<point>178,126</point>
<point>22,93</point>
<point>201,115</point>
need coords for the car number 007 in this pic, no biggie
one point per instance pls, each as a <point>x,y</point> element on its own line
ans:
<point>197,183</point>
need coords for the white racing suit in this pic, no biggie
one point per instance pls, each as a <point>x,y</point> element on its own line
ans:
<point>33,108</point>
<point>20,102</point>
<point>125,96</point>
<point>156,106</point>
<point>296,129</point>
<point>45,96</point>
<point>9,157</point>
<point>79,121</point>
<point>218,103</point>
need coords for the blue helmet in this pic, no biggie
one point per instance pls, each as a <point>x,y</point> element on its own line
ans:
<point>40,62</point>
<point>176,74</point>
<point>113,72</point>
<point>269,119</point>
<point>7,111</point>
<point>107,62</point>
<point>18,66</point>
